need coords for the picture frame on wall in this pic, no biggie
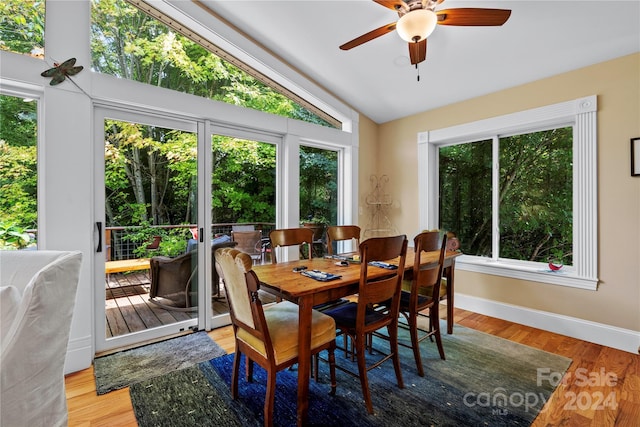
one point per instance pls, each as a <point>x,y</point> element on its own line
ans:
<point>635,156</point>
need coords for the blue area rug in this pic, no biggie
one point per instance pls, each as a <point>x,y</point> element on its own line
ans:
<point>485,381</point>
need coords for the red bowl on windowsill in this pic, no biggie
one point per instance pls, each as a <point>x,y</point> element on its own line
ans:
<point>555,267</point>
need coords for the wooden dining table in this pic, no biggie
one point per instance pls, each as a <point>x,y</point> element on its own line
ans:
<point>281,281</point>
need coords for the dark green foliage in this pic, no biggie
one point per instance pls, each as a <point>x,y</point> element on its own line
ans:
<point>18,165</point>
<point>318,185</point>
<point>22,26</point>
<point>535,199</point>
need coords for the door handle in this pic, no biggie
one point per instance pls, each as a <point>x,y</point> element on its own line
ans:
<point>99,225</point>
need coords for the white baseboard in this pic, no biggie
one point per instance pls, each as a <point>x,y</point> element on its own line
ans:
<point>599,333</point>
<point>79,354</point>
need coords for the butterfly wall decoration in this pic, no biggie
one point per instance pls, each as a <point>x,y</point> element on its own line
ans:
<point>61,71</point>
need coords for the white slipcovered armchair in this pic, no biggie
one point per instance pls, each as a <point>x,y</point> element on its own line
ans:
<point>37,296</point>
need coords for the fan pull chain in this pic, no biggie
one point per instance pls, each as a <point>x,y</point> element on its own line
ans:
<point>418,71</point>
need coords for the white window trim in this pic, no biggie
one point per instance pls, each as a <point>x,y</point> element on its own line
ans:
<point>579,113</point>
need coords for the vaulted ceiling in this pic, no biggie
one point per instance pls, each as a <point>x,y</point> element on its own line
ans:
<point>540,39</point>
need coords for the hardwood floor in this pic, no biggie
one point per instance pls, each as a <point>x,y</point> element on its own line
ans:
<point>602,387</point>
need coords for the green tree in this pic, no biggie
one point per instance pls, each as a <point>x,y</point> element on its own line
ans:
<point>243,180</point>
<point>150,172</point>
<point>318,184</point>
<point>535,195</point>
<point>144,181</point>
<point>18,162</point>
<point>22,26</point>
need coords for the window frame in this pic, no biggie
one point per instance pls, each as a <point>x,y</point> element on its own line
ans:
<point>581,114</point>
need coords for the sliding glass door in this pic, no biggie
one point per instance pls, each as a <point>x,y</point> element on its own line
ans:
<point>147,273</point>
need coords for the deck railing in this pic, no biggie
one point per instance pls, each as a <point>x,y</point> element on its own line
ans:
<point>119,246</point>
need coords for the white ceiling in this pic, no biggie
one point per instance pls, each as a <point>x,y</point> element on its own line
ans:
<point>540,39</point>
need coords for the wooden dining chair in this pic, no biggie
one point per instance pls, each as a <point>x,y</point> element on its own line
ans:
<point>336,233</point>
<point>267,336</point>
<point>433,244</point>
<point>284,237</point>
<point>424,293</point>
<point>359,319</point>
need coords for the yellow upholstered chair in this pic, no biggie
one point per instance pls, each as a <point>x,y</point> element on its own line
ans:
<point>377,307</point>
<point>423,292</point>
<point>267,336</point>
<point>337,233</point>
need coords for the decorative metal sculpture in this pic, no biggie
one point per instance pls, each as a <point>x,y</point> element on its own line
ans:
<point>61,71</point>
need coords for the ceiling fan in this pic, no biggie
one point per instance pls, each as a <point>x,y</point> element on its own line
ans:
<point>418,19</point>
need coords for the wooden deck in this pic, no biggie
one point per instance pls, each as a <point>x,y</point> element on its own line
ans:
<point>128,308</point>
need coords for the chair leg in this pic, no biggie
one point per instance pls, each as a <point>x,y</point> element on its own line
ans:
<point>249,370</point>
<point>235,373</point>
<point>332,369</point>
<point>393,343</point>
<point>269,398</point>
<point>361,347</point>
<point>435,321</point>
<point>314,367</point>
<point>415,344</point>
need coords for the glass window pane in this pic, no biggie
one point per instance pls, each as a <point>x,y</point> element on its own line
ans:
<point>318,192</point>
<point>150,189</point>
<point>18,173</point>
<point>150,207</point>
<point>130,44</point>
<point>536,196</point>
<point>22,26</point>
<point>243,185</point>
<point>465,195</point>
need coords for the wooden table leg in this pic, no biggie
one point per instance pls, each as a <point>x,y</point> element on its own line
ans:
<point>449,273</point>
<point>304,357</point>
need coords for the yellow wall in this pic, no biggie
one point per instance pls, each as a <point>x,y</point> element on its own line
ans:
<point>617,85</point>
<point>367,164</point>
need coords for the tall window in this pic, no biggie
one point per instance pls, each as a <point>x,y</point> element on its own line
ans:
<point>519,190</point>
<point>130,44</point>
<point>534,195</point>
<point>18,172</point>
<point>318,185</point>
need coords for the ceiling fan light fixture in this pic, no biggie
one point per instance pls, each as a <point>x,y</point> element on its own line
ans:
<point>416,25</point>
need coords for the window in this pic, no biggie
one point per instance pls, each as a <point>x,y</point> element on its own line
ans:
<point>519,190</point>
<point>318,185</point>
<point>533,191</point>
<point>19,172</point>
<point>129,43</point>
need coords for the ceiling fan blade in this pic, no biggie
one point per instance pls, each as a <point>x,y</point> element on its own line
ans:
<point>418,51</point>
<point>393,4</point>
<point>369,36</point>
<point>469,16</point>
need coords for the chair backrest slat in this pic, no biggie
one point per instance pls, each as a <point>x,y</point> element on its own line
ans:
<point>428,277</point>
<point>289,237</point>
<point>379,291</point>
<point>336,233</point>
